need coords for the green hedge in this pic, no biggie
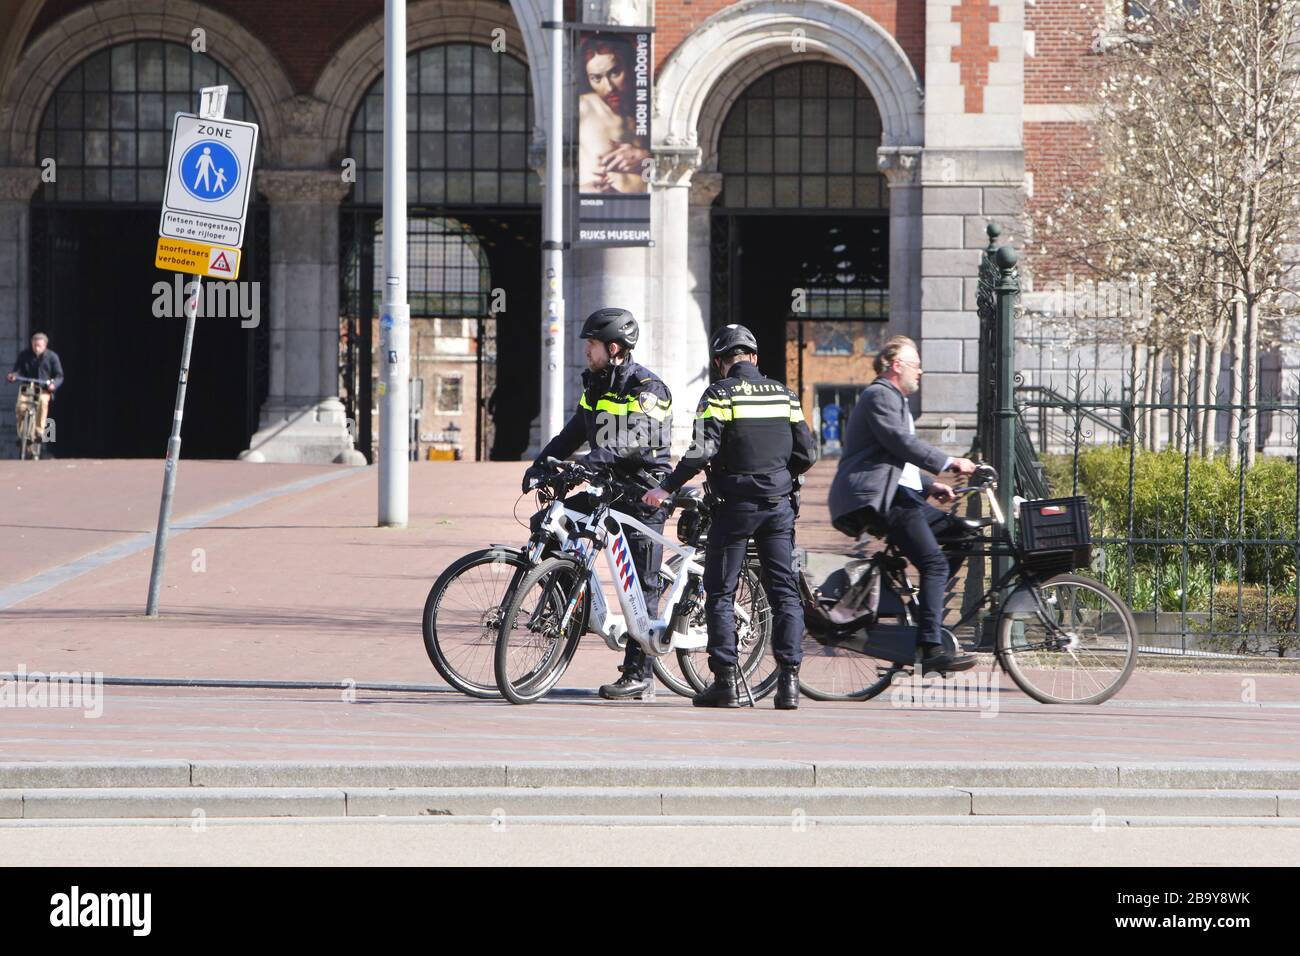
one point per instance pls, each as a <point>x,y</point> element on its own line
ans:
<point>1215,493</point>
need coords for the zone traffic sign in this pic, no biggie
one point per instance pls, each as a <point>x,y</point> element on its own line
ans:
<point>209,181</point>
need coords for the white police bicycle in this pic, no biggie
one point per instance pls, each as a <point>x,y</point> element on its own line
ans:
<point>466,604</point>
<point>561,597</point>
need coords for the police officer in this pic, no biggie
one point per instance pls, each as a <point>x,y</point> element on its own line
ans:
<point>751,436</point>
<point>625,416</point>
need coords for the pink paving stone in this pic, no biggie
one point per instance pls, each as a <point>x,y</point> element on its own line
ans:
<point>305,587</point>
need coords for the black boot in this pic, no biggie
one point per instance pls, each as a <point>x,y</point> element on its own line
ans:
<point>631,686</point>
<point>722,692</point>
<point>787,687</point>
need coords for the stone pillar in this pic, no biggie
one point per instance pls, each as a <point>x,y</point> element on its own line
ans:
<point>971,171</point>
<point>679,290</point>
<point>901,167</point>
<point>705,187</point>
<point>16,187</point>
<point>303,420</point>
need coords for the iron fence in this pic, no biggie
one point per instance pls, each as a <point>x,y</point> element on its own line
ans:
<point>1197,532</point>
<point>1202,545</point>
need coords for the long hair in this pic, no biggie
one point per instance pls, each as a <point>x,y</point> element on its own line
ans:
<point>889,351</point>
<point>607,44</point>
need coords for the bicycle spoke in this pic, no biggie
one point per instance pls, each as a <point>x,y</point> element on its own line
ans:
<point>1082,651</point>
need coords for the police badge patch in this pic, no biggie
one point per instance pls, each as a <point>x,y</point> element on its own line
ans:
<point>647,401</point>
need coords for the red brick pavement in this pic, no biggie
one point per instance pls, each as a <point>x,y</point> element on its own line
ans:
<point>305,587</point>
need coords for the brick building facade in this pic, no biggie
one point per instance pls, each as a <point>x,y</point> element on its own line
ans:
<point>843,154</point>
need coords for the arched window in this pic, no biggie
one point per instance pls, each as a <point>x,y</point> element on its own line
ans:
<point>447,269</point>
<point>468,113</point>
<point>108,124</point>
<point>802,137</point>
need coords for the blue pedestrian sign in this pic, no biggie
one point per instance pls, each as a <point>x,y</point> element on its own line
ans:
<point>208,180</point>
<point>209,170</point>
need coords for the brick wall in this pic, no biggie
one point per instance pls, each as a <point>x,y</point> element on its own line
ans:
<point>303,35</point>
<point>904,19</point>
<point>1058,75</point>
<point>1053,152</point>
<point>1063,35</point>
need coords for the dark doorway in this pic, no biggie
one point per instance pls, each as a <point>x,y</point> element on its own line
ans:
<point>813,289</point>
<point>94,293</point>
<point>508,372</point>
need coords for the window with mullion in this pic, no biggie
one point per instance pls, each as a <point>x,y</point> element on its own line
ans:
<point>109,122</point>
<point>802,136</point>
<point>469,111</point>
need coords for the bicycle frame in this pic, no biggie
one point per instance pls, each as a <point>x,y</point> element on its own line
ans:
<point>580,536</point>
<point>1000,544</point>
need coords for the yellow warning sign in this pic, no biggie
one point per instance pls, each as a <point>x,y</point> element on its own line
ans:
<point>197,258</point>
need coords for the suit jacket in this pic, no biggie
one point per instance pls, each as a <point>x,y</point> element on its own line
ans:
<point>877,444</point>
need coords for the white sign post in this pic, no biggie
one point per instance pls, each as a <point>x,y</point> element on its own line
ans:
<point>210,173</point>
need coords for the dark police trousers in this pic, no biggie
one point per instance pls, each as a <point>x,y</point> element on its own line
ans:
<point>771,525</point>
<point>647,554</point>
<point>912,524</point>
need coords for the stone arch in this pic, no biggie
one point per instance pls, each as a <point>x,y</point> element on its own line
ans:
<point>359,61</point>
<point>109,22</point>
<point>711,68</point>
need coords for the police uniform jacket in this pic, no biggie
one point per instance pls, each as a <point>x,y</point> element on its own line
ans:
<point>625,415</point>
<point>750,434</point>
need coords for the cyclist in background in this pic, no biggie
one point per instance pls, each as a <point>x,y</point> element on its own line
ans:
<point>41,363</point>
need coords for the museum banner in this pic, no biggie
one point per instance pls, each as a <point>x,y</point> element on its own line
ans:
<point>611,198</point>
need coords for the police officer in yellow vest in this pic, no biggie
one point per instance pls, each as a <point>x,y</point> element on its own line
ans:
<point>625,416</point>
<point>751,436</point>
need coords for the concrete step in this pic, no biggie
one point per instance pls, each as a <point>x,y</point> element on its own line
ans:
<point>613,802</point>
<point>819,775</point>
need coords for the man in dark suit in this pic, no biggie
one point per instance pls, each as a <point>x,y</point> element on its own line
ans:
<point>880,488</point>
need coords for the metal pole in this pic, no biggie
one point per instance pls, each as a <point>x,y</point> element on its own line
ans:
<point>1007,289</point>
<point>395,316</point>
<point>552,413</point>
<point>173,461</point>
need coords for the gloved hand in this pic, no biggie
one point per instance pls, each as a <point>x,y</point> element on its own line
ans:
<point>534,473</point>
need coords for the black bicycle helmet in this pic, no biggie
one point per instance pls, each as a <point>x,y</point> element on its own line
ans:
<point>731,339</point>
<point>612,325</point>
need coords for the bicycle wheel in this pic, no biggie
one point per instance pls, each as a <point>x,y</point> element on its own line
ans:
<point>462,616</point>
<point>753,639</point>
<point>27,429</point>
<point>830,672</point>
<point>532,648</point>
<point>1081,653</point>
<point>667,668</point>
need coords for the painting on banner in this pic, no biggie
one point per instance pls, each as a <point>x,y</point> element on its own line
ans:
<point>614,68</point>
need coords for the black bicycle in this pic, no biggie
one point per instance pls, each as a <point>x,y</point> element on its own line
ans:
<point>1063,638</point>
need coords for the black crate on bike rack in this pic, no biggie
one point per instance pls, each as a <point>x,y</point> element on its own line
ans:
<point>1054,533</point>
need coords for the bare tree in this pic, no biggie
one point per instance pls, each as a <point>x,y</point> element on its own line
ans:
<point>1192,191</point>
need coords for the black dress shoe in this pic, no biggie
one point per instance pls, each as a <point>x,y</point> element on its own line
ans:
<point>787,687</point>
<point>934,659</point>
<point>629,687</point>
<point>723,692</point>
